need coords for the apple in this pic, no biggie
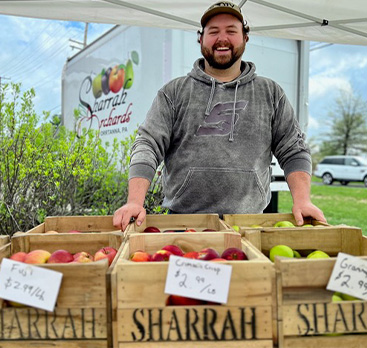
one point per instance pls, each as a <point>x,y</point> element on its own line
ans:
<point>97,86</point>
<point>15,304</point>
<point>60,256</point>
<point>51,232</point>
<point>19,256</point>
<point>175,300</point>
<point>208,254</point>
<point>284,224</point>
<point>236,228</point>
<point>105,252</point>
<point>161,255</point>
<point>116,78</point>
<point>174,249</point>
<point>105,81</point>
<point>191,255</point>
<point>218,259</point>
<point>318,254</point>
<point>255,226</point>
<point>152,229</point>
<point>347,297</point>
<point>337,297</point>
<point>296,254</point>
<point>280,250</point>
<point>234,254</point>
<point>307,225</point>
<point>83,257</point>
<point>190,230</point>
<point>140,256</point>
<point>37,256</point>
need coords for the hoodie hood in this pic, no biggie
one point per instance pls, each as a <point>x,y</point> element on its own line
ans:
<point>247,75</point>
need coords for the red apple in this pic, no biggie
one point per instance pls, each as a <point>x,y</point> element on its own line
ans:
<point>234,254</point>
<point>191,255</point>
<point>83,257</point>
<point>152,229</point>
<point>161,255</point>
<point>37,256</point>
<point>116,79</point>
<point>140,256</point>
<point>190,230</point>
<point>208,254</point>
<point>175,300</point>
<point>19,256</point>
<point>106,252</point>
<point>218,259</point>
<point>60,256</point>
<point>174,249</point>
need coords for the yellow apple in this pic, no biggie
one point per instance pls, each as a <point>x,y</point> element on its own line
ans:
<point>280,250</point>
<point>296,254</point>
<point>337,297</point>
<point>318,254</point>
<point>284,224</point>
<point>236,228</point>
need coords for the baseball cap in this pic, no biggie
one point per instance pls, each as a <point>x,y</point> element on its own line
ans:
<point>219,8</point>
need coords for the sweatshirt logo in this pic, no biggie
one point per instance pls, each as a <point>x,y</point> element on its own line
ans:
<point>219,121</point>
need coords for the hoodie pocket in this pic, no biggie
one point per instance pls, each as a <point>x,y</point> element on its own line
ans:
<point>220,190</point>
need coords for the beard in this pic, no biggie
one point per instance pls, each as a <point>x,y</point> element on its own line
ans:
<point>223,61</point>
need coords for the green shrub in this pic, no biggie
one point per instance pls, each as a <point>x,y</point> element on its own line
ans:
<point>46,170</point>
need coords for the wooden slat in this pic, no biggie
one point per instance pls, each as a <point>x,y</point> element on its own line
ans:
<point>211,344</point>
<point>344,341</point>
<point>102,343</point>
<point>254,237</point>
<point>364,246</point>
<point>201,323</point>
<point>34,324</point>
<point>351,240</point>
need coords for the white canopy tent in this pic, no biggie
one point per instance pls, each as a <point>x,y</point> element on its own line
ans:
<point>341,21</point>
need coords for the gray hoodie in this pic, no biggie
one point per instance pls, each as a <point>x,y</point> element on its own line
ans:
<point>217,139</point>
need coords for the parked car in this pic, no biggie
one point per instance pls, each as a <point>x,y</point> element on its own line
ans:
<point>343,169</point>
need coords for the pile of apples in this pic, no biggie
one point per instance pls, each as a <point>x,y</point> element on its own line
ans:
<point>40,256</point>
<point>286,251</point>
<point>206,254</point>
<point>153,229</point>
<point>277,224</point>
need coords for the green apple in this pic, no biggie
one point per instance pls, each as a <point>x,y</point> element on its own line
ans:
<point>318,254</point>
<point>255,226</point>
<point>280,250</point>
<point>236,228</point>
<point>337,297</point>
<point>307,225</point>
<point>296,254</point>
<point>347,297</point>
<point>97,86</point>
<point>283,224</point>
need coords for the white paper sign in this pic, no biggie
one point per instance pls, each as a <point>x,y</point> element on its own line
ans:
<point>203,280</point>
<point>349,276</point>
<point>28,284</point>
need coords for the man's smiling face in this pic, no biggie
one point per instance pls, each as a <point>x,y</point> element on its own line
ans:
<point>223,41</point>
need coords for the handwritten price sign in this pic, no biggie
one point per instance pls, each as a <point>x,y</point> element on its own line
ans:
<point>203,280</point>
<point>349,276</point>
<point>30,285</point>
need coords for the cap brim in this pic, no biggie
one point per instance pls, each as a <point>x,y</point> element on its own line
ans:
<point>219,10</point>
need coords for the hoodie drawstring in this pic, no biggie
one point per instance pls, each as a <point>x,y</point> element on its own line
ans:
<point>207,111</point>
<point>234,112</point>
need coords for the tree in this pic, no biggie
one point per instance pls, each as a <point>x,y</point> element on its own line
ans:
<point>348,126</point>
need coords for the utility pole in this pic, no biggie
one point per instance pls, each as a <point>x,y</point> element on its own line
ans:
<point>80,44</point>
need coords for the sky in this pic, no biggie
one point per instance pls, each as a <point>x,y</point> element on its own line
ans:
<point>34,51</point>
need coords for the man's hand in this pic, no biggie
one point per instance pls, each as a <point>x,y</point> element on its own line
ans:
<point>123,215</point>
<point>307,209</point>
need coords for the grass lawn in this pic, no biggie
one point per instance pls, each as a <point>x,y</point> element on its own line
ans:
<point>340,204</point>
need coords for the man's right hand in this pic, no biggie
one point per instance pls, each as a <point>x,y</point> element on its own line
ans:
<point>123,215</point>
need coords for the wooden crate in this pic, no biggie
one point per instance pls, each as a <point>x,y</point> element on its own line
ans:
<point>266,221</point>
<point>82,313</point>
<point>64,224</point>
<point>142,319</point>
<point>180,222</point>
<point>4,240</point>
<point>304,305</point>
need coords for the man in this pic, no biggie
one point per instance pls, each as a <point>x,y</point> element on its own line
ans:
<point>216,130</point>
